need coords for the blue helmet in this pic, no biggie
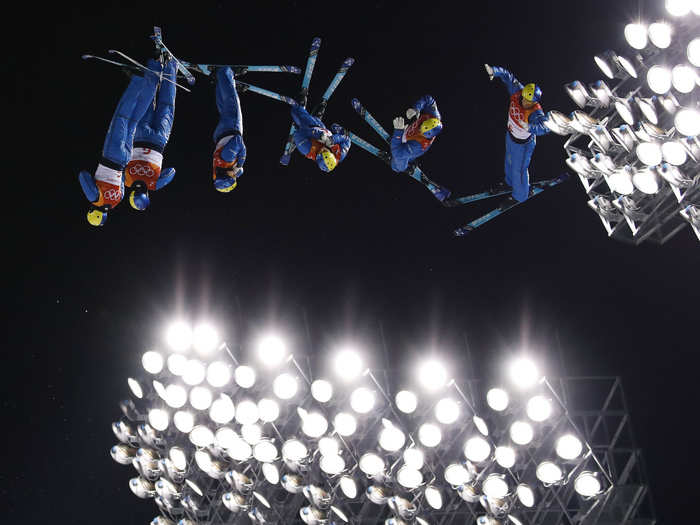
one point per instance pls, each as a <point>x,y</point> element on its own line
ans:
<point>138,197</point>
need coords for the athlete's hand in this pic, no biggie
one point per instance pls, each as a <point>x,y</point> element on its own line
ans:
<point>399,123</point>
<point>410,113</point>
<point>489,71</point>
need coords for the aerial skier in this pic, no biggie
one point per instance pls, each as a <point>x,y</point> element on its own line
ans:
<point>526,120</point>
<point>316,142</point>
<point>412,141</point>
<point>229,152</point>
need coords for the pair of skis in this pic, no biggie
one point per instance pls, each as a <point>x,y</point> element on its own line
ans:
<point>439,192</point>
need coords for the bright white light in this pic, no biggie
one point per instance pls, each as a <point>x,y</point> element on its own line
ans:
<point>201,436</point>
<point>314,425</point>
<point>391,438</point>
<point>684,78</point>
<point>239,449</point>
<point>621,181</point>
<point>184,421</point>
<point>659,79</point>
<point>152,362</point>
<point>495,486</point>
<point>203,460</point>
<point>548,473</point>
<point>322,390</point>
<point>178,457</point>
<point>406,401</point>
<point>678,7</point>
<point>523,372</point>
<point>477,449</point>
<point>674,152</point>
<point>430,435</point>
<point>432,375</point>
<point>647,181</point>
<point>456,475</point>
<point>497,399</point>
<point>345,424</point>
<point>539,408</point>
<point>328,446</point>
<point>265,451</point>
<point>371,464</point>
<point>224,437</point>
<point>294,450</point>
<point>505,456</point>
<point>179,336</point>
<point>271,350</point>
<point>332,464</point>
<point>604,66</point>
<point>135,387</point>
<point>687,122</point>
<point>247,412</point>
<point>433,496</point>
<point>268,410</point>
<point>348,364</point>
<point>200,398</point>
<point>648,109</point>
<point>194,373</point>
<point>218,374</point>
<point>413,457</point>
<point>480,425</point>
<point>271,473</point>
<point>526,495</point>
<point>624,110</point>
<point>222,410</point>
<point>579,163</point>
<point>349,487</point>
<point>409,478</point>
<point>158,419</point>
<point>521,432</point>
<point>176,396</point>
<point>244,376</point>
<point>627,66</point>
<point>636,35</point>
<point>160,390</point>
<point>285,386</point>
<point>446,411</point>
<point>177,364</point>
<point>587,484</point>
<point>693,52</point>
<point>362,400</point>
<point>660,34</point>
<point>569,447</point>
<point>205,339</point>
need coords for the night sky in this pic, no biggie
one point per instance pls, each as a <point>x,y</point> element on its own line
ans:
<point>350,250</point>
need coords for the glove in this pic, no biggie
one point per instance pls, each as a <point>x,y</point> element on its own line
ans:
<point>165,178</point>
<point>326,140</point>
<point>410,113</point>
<point>489,71</point>
<point>399,123</point>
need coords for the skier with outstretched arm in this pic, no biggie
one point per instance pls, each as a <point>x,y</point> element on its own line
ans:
<point>229,151</point>
<point>412,141</point>
<point>526,120</point>
<point>316,142</point>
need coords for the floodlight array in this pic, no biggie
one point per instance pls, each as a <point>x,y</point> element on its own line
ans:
<point>637,150</point>
<point>276,445</point>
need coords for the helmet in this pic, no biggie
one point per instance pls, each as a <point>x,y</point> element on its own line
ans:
<point>138,197</point>
<point>97,216</point>
<point>326,160</point>
<point>532,93</point>
<point>227,178</point>
<point>431,127</point>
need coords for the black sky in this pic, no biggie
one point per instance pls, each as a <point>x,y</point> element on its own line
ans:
<point>360,246</point>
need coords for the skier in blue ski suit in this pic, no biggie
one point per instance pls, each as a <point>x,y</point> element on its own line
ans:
<point>412,141</point>
<point>229,150</point>
<point>316,142</point>
<point>525,121</point>
<point>106,189</point>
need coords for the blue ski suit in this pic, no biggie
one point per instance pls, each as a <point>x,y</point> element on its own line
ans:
<point>310,129</point>
<point>523,126</point>
<point>408,144</point>
<point>230,150</point>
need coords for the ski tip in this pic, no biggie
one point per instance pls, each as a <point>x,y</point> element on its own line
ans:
<point>356,104</point>
<point>316,42</point>
<point>348,62</point>
<point>461,232</point>
<point>294,69</point>
<point>284,159</point>
<point>85,57</point>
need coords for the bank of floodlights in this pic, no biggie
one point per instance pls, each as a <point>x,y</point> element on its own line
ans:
<point>632,137</point>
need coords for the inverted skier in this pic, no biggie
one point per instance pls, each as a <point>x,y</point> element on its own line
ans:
<point>525,121</point>
<point>326,147</point>
<point>230,151</point>
<point>412,141</point>
<point>106,189</point>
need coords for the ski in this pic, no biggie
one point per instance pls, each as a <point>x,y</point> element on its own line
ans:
<point>141,67</point>
<point>158,39</point>
<point>535,190</point>
<point>367,116</point>
<point>114,62</point>
<point>243,87</point>
<point>240,70</point>
<point>320,109</point>
<point>303,95</point>
<point>502,190</point>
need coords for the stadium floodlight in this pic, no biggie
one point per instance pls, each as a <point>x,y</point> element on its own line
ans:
<point>194,373</point>
<point>687,122</point>
<point>495,486</point>
<point>332,464</point>
<point>523,372</point>
<point>200,398</point>
<point>313,516</point>
<point>285,386</point>
<point>569,447</point>
<point>251,434</point>
<point>294,452</point>
<point>177,364</point>
<point>161,520</point>
<point>627,66</point>
<point>201,436</point>
<point>218,374</point>
<point>649,153</point>
<point>578,93</point>
<point>659,79</point>
<point>348,487</point>
<point>505,456</point>
<point>262,499</point>
<point>558,123</point>
<point>521,432</point>
<point>204,339</point>
<point>693,52</point>
<point>142,488</point>
<point>549,473</point>
<point>317,496</point>
<point>526,495</point>
<point>646,106</point>
<point>159,419</point>
<point>348,364</point>
<point>328,446</point>
<point>240,481</point>
<point>409,478</point>
<point>413,457</point>
<point>135,387</point>
<point>271,350</point>
<point>222,411</point>
<point>601,137</point>
<point>345,424</point>
<point>456,474</point>
<point>587,484</point>
<point>673,175</point>
<point>683,78</point>
<point>322,390</point>
<point>480,425</point>
<point>239,449</point>
<point>636,35</point>
<point>625,137</point>
<point>433,496</point>
<point>582,122</point>
<point>497,399</point>
<point>660,34</point>
<point>122,453</point>
<point>179,336</point>
<point>674,153</point>
<point>579,163</point>
<point>377,495</point>
<point>477,449</point>
<point>602,92</point>
<point>244,376</point>
<point>184,421</point>
<point>362,400</point>
<point>624,109</point>
<point>678,7</point>
<point>268,410</point>
<point>124,432</point>
<point>446,411</point>
<point>607,64</point>
<point>152,362</point>
<point>406,401</point>
<point>176,396</point>
<point>429,435</point>
<point>203,460</point>
<point>432,375</point>
<point>234,502</point>
<point>246,412</point>
<point>391,438</point>
<point>603,163</point>
<point>468,493</point>
<point>292,483</point>
<point>224,437</point>
<point>271,473</point>
<point>647,181</point>
<point>178,457</point>
<point>314,424</point>
<point>372,464</point>
<point>621,180</point>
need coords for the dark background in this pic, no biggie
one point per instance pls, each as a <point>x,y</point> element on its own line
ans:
<point>351,249</point>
